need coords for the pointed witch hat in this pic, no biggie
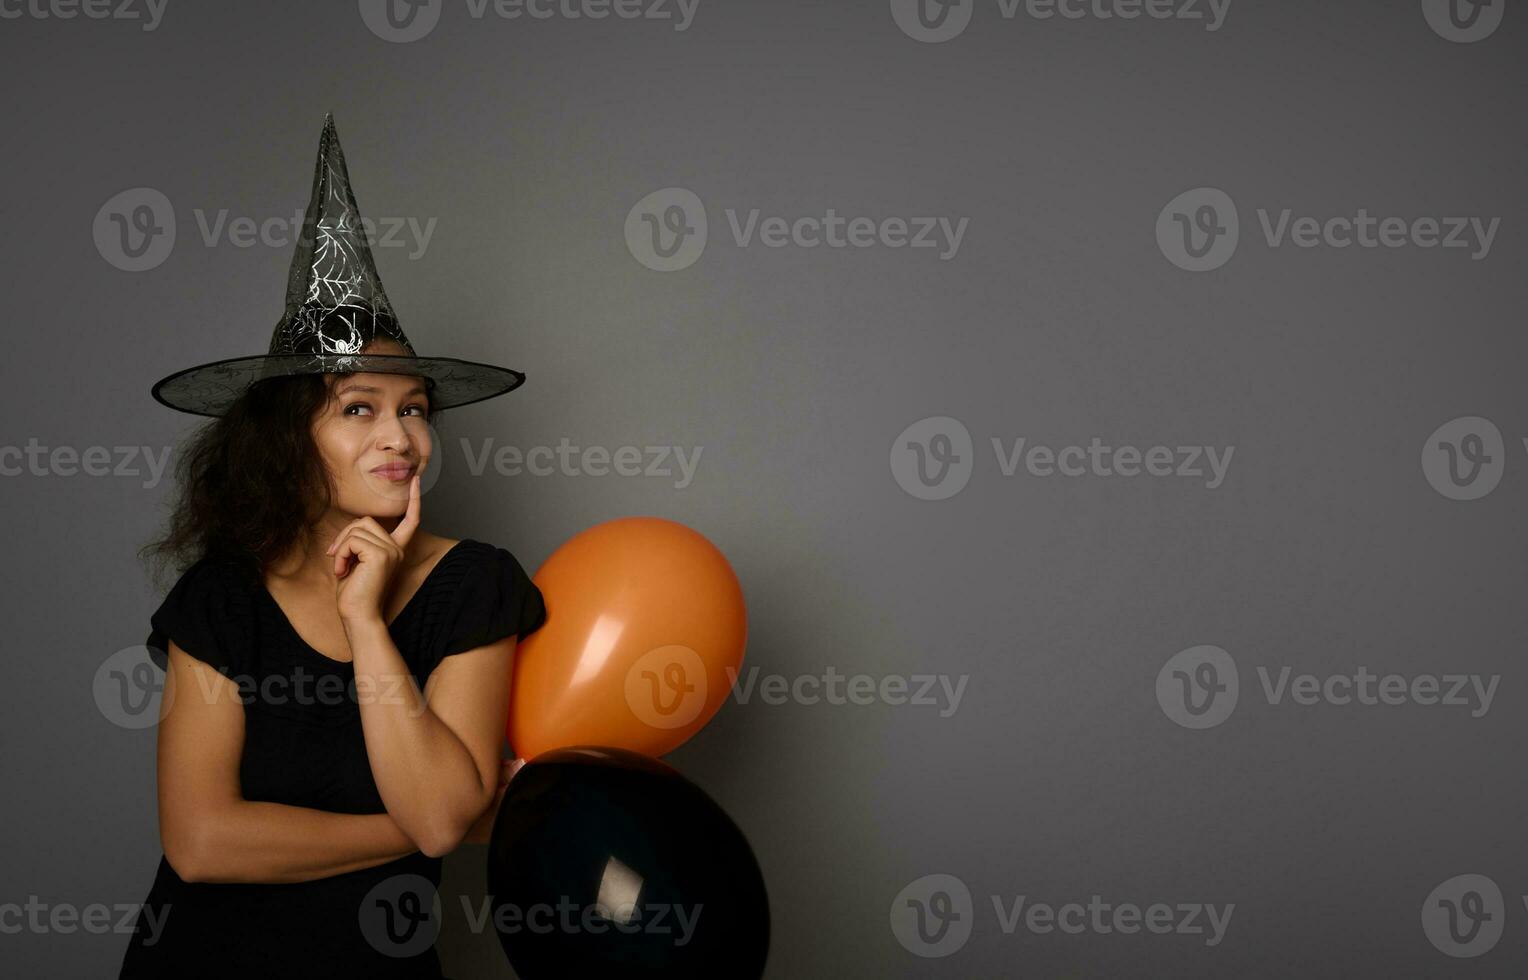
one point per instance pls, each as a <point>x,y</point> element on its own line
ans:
<point>335,307</point>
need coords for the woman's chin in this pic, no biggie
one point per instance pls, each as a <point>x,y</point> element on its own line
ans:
<point>383,498</point>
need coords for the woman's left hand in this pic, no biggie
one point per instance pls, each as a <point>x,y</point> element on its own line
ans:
<point>366,557</point>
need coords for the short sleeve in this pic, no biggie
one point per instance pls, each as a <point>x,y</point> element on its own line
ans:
<point>207,614</point>
<point>494,599</point>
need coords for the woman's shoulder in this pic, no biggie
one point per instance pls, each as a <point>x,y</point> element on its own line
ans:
<point>472,564</point>
<point>485,595</point>
<point>466,551</point>
<point>461,563</point>
<point>208,612</point>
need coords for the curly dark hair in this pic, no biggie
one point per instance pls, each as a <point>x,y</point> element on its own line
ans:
<point>250,483</point>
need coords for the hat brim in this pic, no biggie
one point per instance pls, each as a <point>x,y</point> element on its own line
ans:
<point>210,389</point>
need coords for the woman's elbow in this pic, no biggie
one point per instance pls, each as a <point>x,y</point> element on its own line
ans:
<point>447,827</point>
<point>442,838</point>
<point>185,851</point>
<point>437,848</point>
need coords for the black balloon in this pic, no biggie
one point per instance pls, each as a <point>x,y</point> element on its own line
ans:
<point>605,863</point>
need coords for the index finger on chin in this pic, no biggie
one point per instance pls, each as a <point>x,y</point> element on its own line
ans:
<point>410,521</point>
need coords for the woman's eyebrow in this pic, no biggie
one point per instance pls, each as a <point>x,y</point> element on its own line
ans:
<point>416,390</point>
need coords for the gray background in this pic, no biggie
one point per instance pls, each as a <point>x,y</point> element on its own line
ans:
<point>1059,319</point>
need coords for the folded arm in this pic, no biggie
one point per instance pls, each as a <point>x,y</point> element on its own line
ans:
<point>436,754</point>
<point>210,832</point>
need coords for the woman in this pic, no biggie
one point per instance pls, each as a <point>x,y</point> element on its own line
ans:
<point>336,677</point>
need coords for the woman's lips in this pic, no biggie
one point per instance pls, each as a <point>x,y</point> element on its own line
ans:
<point>397,473</point>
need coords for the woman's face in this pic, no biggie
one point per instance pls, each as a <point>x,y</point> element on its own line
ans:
<point>373,438</point>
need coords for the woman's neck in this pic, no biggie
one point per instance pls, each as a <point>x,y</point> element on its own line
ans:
<point>308,561</point>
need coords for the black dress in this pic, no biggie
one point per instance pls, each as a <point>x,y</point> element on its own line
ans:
<point>303,746</point>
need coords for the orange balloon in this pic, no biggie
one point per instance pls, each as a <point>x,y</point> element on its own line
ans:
<point>645,618</point>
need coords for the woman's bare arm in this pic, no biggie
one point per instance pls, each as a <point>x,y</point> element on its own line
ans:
<point>435,754</point>
<point>210,832</point>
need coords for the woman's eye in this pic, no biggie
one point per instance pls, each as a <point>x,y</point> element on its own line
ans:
<point>419,409</point>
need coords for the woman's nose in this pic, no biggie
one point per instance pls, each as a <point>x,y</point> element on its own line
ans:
<point>393,435</point>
